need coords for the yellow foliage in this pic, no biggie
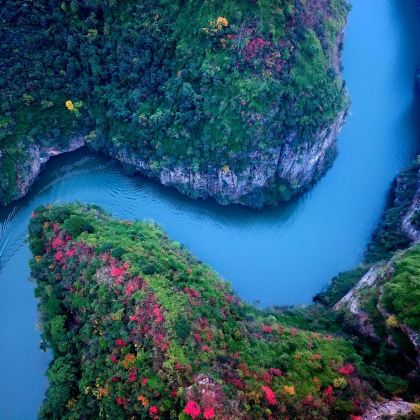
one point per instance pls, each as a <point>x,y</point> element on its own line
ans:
<point>71,403</point>
<point>392,322</point>
<point>129,360</point>
<point>290,390</point>
<point>222,21</point>
<point>216,25</point>
<point>339,383</point>
<point>416,410</point>
<point>38,258</point>
<point>69,105</point>
<point>101,392</point>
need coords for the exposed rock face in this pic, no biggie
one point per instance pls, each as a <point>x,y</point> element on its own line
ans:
<point>407,225</point>
<point>38,156</point>
<point>389,409</point>
<point>271,176</point>
<point>351,305</point>
<point>351,302</point>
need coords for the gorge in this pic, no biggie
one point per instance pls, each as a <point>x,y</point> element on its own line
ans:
<point>328,228</point>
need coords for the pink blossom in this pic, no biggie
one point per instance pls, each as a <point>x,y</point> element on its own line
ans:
<point>131,287</point>
<point>208,413</point>
<point>253,47</point>
<point>57,242</point>
<point>71,252</point>
<point>267,329</point>
<point>229,298</point>
<point>192,409</point>
<point>192,292</point>
<point>328,393</point>
<point>158,314</point>
<point>116,272</point>
<point>58,256</point>
<point>120,342</point>
<point>132,376</point>
<point>269,395</point>
<point>347,369</point>
<point>153,410</point>
<point>120,400</point>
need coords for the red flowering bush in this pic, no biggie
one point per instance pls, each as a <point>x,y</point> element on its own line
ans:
<point>253,47</point>
<point>347,369</point>
<point>153,411</point>
<point>192,409</point>
<point>208,413</point>
<point>267,329</point>
<point>269,395</point>
<point>58,256</point>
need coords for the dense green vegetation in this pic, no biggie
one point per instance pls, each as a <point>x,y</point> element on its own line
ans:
<point>195,83</point>
<point>138,327</point>
<point>402,292</point>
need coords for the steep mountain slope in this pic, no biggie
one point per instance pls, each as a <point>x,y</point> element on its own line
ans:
<point>238,100</point>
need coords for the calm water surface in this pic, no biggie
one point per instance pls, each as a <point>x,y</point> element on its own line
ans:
<point>277,256</point>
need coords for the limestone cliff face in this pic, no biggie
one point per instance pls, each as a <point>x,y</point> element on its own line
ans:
<point>37,157</point>
<point>356,311</point>
<point>271,176</point>
<point>407,225</point>
<point>388,409</point>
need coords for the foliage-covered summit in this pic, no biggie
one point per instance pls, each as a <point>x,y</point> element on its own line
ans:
<point>138,327</point>
<point>195,83</point>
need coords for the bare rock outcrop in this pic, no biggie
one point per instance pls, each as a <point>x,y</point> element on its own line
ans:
<point>37,157</point>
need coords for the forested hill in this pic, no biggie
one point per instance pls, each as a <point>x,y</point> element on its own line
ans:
<point>141,329</point>
<point>205,88</point>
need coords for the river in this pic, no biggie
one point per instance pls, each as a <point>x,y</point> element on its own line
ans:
<point>280,255</point>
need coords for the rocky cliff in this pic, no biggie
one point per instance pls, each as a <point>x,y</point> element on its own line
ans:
<point>272,175</point>
<point>36,157</point>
